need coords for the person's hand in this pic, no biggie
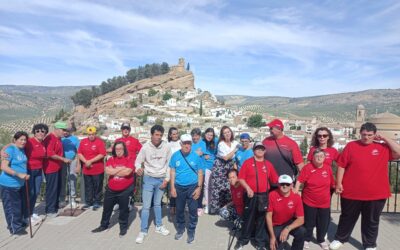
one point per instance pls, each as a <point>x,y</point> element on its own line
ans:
<point>250,192</point>
<point>4,155</point>
<point>23,176</point>
<point>272,243</point>
<point>173,192</point>
<point>163,185</point>
<point>88,163</point>
<point>339,188</point>
<point>284,235</point>
<point>78,170</point>
<point>67,161</point>
<point>295,190</point>
<point>139,172</point>
<point>379,137</point>
<point>196,193</point>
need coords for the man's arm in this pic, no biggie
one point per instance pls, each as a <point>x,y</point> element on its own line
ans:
<point>172,180</point>
<point>339,179</point>
<point>394,146</point>
<point>197,191</point>
<point>299,221</point>
<point>139,166</point>
<point>249,191</point>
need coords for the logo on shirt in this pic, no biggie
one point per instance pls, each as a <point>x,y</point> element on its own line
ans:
<point>324,174</point>
<point>375,152</point>
<point>312,171</point>
<point>290,204</point>
<point>93,147</point>
<point>192,163</point>
<point>279,199</point>
<point>264,169</point>
<point>178,163</point>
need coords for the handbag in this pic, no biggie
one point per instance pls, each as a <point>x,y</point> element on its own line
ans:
<point>261,198</point>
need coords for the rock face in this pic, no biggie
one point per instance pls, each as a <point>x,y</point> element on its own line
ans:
<point>110,103</point>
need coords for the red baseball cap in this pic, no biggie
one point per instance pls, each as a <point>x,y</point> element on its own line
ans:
<point>276,123</point>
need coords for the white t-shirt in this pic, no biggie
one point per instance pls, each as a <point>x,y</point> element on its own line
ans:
<point>175,146</point>
<point>224,149</point>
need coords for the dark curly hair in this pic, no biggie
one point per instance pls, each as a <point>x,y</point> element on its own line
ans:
<point>314,140</point>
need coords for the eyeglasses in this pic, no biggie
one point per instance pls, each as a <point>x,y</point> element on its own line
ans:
<point>284,184</point>
<point>40,131</point>
<point>323,136</point>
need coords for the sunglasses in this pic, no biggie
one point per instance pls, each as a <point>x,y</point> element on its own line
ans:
<point>40,131</point>
<point>323,136</point>
<point>284,184</point>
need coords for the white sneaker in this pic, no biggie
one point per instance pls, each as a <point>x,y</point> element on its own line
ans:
<point>335,245</point>
<point>116,207</point>
<point>35,220</point>
<point>162,230</point>
<point>140,237</point>
<point>206,209</point>
<point>72,204</point>
<point>36,217</point>
<point>370,248</point>
<point>306,244</point>
<point>324,245</point>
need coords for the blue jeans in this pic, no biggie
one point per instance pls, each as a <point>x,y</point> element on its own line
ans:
<point>185,195</point>
<point>151,190</point>
<point>35,182</point>
<point>13,205</point>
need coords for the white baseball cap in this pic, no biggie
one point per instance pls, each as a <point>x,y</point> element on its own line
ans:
<point>285,179</point>
<point>186,138</point>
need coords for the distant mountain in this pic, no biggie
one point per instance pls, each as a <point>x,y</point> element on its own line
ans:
<point>328,108</point>
<point>26,101</point>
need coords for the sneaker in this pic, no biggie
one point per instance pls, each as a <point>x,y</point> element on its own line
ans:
<point>72,204</point>
<point>206,209</point>
<point>306,244</point>
<point>260,248</point>
<point>21,232</point>
<point>62,204</point>
<point>200,212</point>
<point>36,216</point>
<point>178,236</point>
<point>86,206</point>
<point>140,237</point>
<point>238,246</point>
<point>370,248</point>
<point>324,245</point>
<point>335,245</point>
<point>122,232</point>
<point>162,230</point>
<point>35,220</point>
<point>51,215</point>
<point>190,239</point>
<point>95,207</point>
<point>116,207</point>
<point>99,229</point>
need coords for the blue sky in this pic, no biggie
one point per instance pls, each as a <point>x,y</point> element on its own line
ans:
<point>258,47</point>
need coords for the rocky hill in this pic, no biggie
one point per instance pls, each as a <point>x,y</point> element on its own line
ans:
<point>335,107</point>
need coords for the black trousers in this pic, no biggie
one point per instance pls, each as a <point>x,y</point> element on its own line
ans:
<point>122,199</point>
<point>319,217</point>
<point>370,214</point>
<point>94,189</point>
<point>297,233</point>
<point>252,217</point>
<point>53,188</point>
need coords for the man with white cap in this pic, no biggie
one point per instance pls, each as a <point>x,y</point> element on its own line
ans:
<point>285,215</point>
<point>186,184</point>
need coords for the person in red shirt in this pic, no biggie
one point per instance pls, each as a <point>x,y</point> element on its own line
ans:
<point>255,175</point>
<point>323,139</point>
<point>234,209</point>
<point>281,151</point>
<point>52,167</point>
<point>91,153</point>
<point>120,169</point>
<point>362,180</point>
<point>317,178</point>
<point>285,215</point>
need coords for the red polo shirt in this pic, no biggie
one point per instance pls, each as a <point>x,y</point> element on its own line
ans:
<point>317,184</point>
<point>284,208</point>
<point>237,198</point>
<point>331,154</point>
<point>366,171</point>
<point>265,172</point>
<point>117,183</point>
<point>89,150</point>
<point>53,146</point>
<point>35,152</point>
<point>133,146</point>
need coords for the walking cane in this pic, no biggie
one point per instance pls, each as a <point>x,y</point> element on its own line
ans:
<point>28,206</point>
<point>69,186</point>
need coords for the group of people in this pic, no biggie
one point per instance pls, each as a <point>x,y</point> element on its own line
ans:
<point>265,188</point>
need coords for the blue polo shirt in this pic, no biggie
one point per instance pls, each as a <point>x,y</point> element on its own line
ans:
<point>242,155</point>
<point>18,161</point>
<point>184,175</point>
<point>212,153</point>
<point>70,146</point>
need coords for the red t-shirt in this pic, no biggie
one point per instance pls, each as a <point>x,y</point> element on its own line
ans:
<point>117,183</point>
<point>133,146</point>
<point>36,153</point>
<point>290,150</point>
<point>53,146</point>
<point>265,172</point>
<point>366,171</point>
<point>89,150</point>
<point>317,184</point>
<point>331,154</point>
<point>237,198</point>
<point>284,208</point>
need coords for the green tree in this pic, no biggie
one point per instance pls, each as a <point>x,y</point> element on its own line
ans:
<point>255,121</point>
<point>152,92</point>
<point>5,137</point>
<point>132,75</point>
<point>201,108</point>
<point>167,96</point>
<point>304,146</point>
<point>164,68</point>
<point>133,103</point>
<point>82,97</point>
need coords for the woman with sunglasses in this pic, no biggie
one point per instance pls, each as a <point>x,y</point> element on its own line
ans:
<point>36,152</point>
<point>209,155</point>
<point>323,139</point>
<point>317,178</point>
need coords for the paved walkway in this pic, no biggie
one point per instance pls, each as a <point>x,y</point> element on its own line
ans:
<point>74,233</point>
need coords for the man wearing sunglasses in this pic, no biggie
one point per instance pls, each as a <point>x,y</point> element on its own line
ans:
<point>362,180</point>
<point>285,215</point>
